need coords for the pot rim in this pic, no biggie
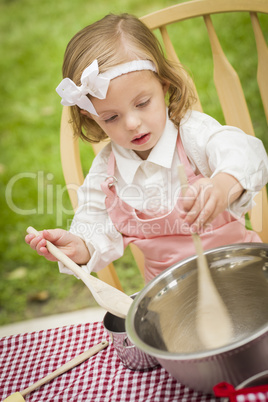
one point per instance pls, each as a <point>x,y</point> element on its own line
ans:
<point>230,348</point>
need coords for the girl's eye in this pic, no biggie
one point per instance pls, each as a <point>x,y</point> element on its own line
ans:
<point>111,119</point>
<point>145,103</point>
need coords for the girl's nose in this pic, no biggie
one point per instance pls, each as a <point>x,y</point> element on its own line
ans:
<point>132,121</point>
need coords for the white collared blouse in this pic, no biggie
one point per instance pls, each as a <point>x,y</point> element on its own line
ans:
<point>151,186</point>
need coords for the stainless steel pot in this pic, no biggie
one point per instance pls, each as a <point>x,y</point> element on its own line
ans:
<point>161,320</point>
<point>132,357</point>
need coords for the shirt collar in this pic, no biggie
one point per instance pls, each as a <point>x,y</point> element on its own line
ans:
<point>162,154</point>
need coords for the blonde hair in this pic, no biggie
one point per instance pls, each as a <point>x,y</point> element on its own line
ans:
<point>114,40</point>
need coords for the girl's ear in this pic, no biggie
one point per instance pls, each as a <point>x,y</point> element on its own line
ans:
<point>85,113</point>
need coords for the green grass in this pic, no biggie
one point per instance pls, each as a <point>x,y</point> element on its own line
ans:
<point>34,35</point>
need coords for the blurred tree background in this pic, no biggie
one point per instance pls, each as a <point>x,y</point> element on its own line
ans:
<point>34,35</point>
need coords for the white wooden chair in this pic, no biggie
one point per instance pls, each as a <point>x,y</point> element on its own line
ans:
<point>228,86</point>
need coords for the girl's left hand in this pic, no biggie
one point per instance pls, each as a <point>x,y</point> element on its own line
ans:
<point>207,198</point>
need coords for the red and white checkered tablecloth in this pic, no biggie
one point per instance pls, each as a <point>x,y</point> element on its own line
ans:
<point>26,358</point>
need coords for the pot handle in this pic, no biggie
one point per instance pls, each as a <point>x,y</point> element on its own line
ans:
<point>224,389</point>
<point>127,343</point>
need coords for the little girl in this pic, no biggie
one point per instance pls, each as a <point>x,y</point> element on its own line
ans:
<point>120,86</point>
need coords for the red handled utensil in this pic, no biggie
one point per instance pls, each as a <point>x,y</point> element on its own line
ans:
<point>258,393</point>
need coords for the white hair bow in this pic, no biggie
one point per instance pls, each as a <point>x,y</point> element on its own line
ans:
<point>91,83</point>
<point>96,84</point>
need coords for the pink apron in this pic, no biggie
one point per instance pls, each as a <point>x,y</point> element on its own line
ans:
<point>164,240</point>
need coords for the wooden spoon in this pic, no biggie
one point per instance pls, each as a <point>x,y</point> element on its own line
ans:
<point>213,323</point>
<point>18,396</point>
<point>108,297</point>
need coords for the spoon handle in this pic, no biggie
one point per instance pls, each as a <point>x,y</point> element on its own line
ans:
<point>202,261</point>
<point>213,322</point>
<point>63,258</point>
<point>67,366</point>
<point>108,297</point>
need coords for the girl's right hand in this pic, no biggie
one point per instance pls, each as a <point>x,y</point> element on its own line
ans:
<point>70,244</point>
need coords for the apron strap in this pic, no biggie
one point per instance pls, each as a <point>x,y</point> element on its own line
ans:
<point>111,164</point>
<point>184,159</point>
